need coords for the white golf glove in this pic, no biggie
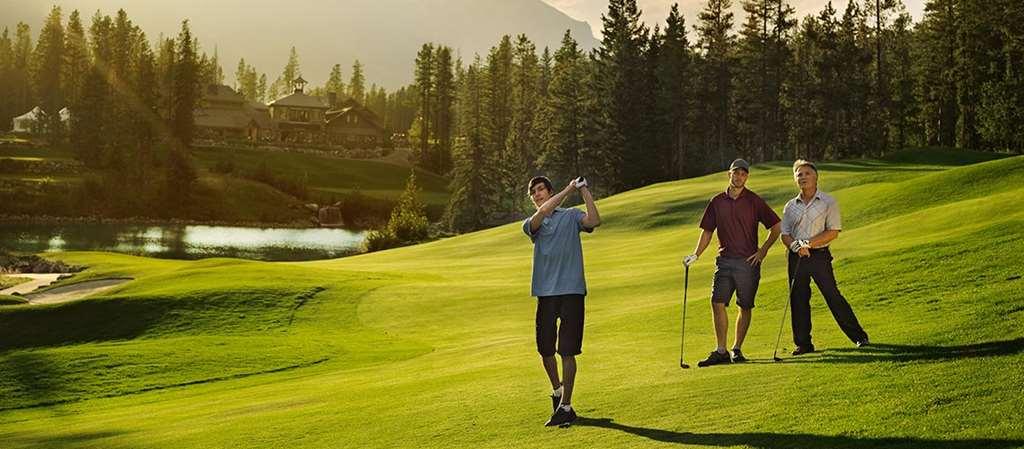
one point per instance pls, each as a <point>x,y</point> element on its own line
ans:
<point>797,244</point>
<point>580,182</point>
<point>689,260</point>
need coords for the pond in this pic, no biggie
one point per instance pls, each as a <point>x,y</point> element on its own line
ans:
<point>183,241</point>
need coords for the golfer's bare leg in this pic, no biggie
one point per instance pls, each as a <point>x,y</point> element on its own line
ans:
<point>551,367</point>
<point>568,377</point>
<point>721,317</point>
<point>742,324</point>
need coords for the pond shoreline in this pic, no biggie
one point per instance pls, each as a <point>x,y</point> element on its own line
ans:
<point>180,239</point>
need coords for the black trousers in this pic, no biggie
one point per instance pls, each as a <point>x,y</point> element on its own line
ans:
<point>819,268</point>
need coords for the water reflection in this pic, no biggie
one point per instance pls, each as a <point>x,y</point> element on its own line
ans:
<point>183,242</point>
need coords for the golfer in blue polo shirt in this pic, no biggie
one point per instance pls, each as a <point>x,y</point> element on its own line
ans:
<point>558,284</point>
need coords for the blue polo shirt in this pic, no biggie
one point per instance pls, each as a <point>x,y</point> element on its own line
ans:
<point>558,254</point>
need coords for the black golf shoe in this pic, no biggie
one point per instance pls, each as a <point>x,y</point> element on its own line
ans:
<point>715,358</point>
<point>561,417</point>
<point>803,350</point>
<point>737,356</point>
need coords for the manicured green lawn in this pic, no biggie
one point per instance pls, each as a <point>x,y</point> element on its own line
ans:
<point>432,345</point>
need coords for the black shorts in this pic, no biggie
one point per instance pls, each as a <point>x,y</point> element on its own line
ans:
<point>735,275</point>
<point>569,310</point>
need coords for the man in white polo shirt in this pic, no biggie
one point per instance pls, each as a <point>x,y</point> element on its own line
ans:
<point>809,223</point>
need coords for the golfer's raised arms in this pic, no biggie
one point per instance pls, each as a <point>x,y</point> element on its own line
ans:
<point>592,219</point>
<point>548,202</point>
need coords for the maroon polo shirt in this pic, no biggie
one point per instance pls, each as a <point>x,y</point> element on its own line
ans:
<point>736,221</point>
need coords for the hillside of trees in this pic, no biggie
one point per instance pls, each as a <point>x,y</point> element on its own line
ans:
<point>647,105</point>
<point>133,99</point>
<point>651,105</point>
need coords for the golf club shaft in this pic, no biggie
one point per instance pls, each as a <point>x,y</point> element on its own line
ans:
<point>775,354</point>
<point>682,332</point>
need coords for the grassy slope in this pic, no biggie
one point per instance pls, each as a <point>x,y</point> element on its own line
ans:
<point>331,175</point>
<point>431,346</point>
<point>46,193</point>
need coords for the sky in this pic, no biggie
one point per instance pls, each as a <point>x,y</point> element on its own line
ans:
<point>655,11</point>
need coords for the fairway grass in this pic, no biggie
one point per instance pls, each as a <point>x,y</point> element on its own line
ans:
<point>432,345</point>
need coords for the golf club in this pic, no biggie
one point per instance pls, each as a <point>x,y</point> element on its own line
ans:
<point>775,354</point>
<point>682,332</point>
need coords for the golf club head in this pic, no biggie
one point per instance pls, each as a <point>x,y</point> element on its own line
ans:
<point>683,365</point>
<point>776,358</point>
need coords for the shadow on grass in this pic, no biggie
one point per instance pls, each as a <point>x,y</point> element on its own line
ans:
<point>29,377</point>
<point>72,440</point>
<point>882,352</point>
<point>762,440</point>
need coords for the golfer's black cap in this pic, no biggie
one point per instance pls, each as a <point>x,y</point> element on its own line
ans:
<point>738,164</point>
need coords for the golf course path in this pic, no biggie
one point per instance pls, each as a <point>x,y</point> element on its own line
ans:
<point>74,291</point>
<point>38,280</point>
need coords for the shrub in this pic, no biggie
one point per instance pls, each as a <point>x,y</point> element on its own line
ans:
<point>408,224</point>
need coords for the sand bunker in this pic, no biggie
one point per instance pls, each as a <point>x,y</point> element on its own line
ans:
<point>74,291</point>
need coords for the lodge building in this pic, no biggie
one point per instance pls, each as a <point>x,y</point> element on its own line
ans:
<point>295,118</point>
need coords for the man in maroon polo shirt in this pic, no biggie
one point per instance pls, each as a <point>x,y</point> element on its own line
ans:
<point>735,213</point>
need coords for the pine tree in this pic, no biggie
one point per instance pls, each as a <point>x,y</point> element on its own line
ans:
<point>21,98</point>
<point>408,221</point>
<point>75,65</point>
<point>186,88</point>
<point>857,133</point>
<point>444,98</point>
<point>402,107</point>
<point>499,121</point>
<point>544,79</point>
<point>357,83</point>
<point>46,64</point>
<point>283,84</point>
<point>675,98</point>
<point>624,80</point>
<point>878,13</point>
<point>6,79</point>
<point>471,190</point>
<point>562,116</point>
<point>89,134</point>
<point>335,84</point>
<point>146,102</point>
<point>261,89</point>
<point>245,81</point>
<point>522,143</point>
<point>166,60</point>
<point>904,108</point>
<point>804,94</point>
<point>240,73</point>
<point>425,90</point>
<point>181,174</point>
<point>1000,61</point>
<point>715,41</point>
<point>216,71</point>
<point>762,57</point>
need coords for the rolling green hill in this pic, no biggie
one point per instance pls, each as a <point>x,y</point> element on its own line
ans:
<point>432,345</point>
<point>39,181</point>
